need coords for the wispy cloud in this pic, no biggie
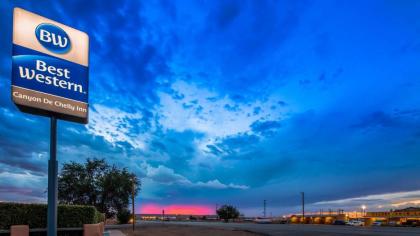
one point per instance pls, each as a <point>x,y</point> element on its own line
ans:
<point>167,176</point>
<point>117,126</point>
<point>377,201</point>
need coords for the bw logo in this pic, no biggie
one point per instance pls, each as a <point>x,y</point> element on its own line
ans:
<point>53,38</point>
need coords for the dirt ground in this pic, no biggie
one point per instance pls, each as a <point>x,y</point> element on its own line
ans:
<point>183,230</point>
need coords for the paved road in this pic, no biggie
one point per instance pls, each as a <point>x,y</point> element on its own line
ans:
<point>113,232</point>
<point>305,230</point>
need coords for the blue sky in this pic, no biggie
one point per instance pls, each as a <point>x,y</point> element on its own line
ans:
<point>214,102</point>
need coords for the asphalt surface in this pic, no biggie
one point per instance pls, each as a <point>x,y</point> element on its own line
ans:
<point>304,230</point>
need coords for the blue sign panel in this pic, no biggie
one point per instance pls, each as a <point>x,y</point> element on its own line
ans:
<point>40,72</point>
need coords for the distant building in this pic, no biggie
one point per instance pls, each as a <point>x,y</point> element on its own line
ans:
<point>406,216</point>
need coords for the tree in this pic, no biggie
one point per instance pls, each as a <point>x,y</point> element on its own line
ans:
<point>227,212</point>
<point>123,216</point>
<point>96,183</point>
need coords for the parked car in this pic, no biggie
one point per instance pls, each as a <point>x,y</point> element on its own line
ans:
<point>394,223</point>
<point>283,221</point>
<point>339,222</point>
<point>356,223</point>
<point>377,223</point>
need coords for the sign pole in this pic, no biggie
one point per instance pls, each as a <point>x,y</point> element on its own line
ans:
<point>50,51</point>
<point>52,180</point>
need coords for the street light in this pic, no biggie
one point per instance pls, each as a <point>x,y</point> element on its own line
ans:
<point>363,210</point>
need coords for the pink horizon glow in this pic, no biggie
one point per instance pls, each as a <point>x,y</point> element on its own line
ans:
<point>177,209</point>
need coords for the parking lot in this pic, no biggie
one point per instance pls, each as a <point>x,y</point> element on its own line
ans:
<point>304,230</point>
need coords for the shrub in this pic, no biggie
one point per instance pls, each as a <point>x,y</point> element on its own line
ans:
<point>100,217</point>
<point>35,215</point>
<point>123,216</point>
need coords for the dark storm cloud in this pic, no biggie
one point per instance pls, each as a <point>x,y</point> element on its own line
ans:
<point>407,112</point>
<point>227,13</point>
<point>18,158</point>
<point>231,107</point>
<point>376,119</point>
<point>119,47</point>
<point>265,127</point>
<point>213,149</point>
<point>15,138</point>
<point>235,146</point>
<point>179,146</point>
<point>237,39</point>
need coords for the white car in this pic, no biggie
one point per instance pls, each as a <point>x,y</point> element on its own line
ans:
<point>356,223</point>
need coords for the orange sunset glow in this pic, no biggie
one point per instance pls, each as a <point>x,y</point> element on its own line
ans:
<point>177,209</point>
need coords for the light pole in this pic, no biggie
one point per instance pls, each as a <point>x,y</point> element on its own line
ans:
<point>363,210</point>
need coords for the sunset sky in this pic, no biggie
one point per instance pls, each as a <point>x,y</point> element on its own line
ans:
<point>215,102</point>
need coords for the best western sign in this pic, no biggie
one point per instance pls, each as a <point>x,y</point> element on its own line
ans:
<point>50,67</point>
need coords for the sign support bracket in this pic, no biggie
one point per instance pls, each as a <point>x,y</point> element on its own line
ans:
<point>52,180</point>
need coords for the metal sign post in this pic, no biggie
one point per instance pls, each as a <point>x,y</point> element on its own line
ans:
<point>52,180</point>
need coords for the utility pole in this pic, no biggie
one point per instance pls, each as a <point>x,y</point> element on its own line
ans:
<point>303,205</point>
<point>132,203</point>
<point>265,202</point>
